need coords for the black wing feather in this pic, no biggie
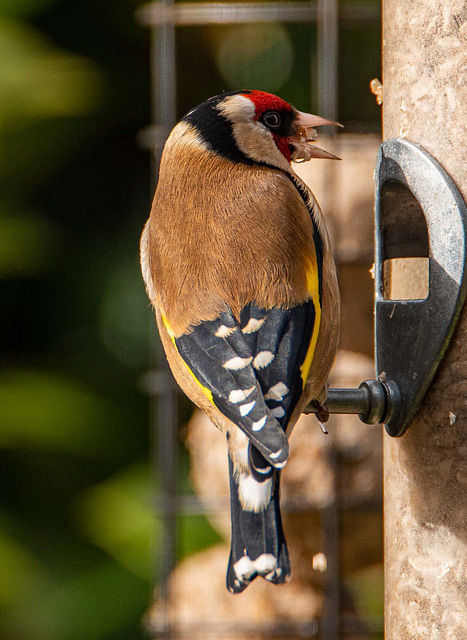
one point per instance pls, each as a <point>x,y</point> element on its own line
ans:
<point>271,391</point>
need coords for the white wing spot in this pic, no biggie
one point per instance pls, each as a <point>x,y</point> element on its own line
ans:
<point>266,562</point>
<point>280,465</point>
<point>278,412</point>
<point>276,573</point>
<point>225,332</point>
<point>259,424</point>
<point>275,455</point>
<point>244,568</point>
<point>277,392</point>
<point>254,496</point>
<point>238,395</point>
<point>265,565</point>
<point>253,325</point>
<point>246,408</point>
<point>263,359</point>
<point>263,471</point>
<point>237,363</point>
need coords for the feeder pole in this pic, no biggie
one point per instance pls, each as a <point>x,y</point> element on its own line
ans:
<point>425,471</point>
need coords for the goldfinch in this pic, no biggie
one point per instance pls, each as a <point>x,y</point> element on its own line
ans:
<point>237,263</point>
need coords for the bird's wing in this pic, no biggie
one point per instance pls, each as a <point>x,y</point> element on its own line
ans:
<point>254,370</point>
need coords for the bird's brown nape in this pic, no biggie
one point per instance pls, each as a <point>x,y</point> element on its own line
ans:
<point>215,129</point>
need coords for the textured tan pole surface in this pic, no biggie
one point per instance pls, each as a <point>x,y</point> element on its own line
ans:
<point>425,100</point>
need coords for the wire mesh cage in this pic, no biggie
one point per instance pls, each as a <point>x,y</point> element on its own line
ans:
<point>332,485</point>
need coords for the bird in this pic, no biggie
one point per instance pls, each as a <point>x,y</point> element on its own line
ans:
<point>238,265</point>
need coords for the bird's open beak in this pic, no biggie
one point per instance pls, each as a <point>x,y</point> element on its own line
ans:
<point>302,150</point>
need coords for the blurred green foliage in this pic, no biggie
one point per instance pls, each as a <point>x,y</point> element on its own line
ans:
<point>76,514</point>
<point>367,589</point>
<point>75,511</point>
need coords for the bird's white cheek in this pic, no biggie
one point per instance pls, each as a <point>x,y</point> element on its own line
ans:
<point>254,496</point>
<point>256,142</point>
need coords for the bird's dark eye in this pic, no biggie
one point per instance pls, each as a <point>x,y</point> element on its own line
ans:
<point>272,119</point>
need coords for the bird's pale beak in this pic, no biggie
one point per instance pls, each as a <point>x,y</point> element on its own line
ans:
<point>302,150</point>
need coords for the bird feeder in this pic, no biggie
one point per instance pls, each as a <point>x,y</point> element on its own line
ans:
<point>419,213</point>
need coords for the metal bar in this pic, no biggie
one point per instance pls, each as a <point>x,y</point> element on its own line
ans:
<point>166,418</point>
<point>163,82</point>
<point>299,629</point>
<point>226,13</point>
<point>204,13</point>
<point>327,104</point>
<point>362,628</point>
<point>346,401</point>
<point>194,506</point>
<point>166,415</point>
<point>330,540</point>
<point>375,401</point>
<point>327,57</point>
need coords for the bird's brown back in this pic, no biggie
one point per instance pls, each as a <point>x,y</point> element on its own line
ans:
<point>242,214</point>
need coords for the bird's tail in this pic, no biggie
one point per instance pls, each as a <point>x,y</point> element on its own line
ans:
<point>258,546</point>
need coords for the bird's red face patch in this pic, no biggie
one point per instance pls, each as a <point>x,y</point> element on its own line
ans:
<point>268,102</point>
<point>282,143</point>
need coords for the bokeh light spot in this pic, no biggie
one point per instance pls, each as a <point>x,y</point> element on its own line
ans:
<point>257,56</point>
